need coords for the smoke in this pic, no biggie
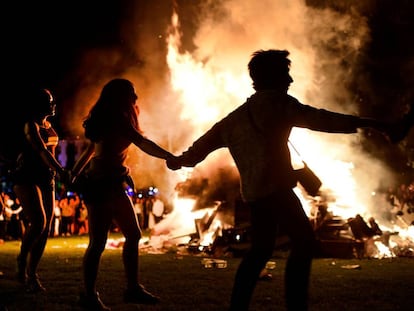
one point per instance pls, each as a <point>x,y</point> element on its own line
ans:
<point>326,47</point>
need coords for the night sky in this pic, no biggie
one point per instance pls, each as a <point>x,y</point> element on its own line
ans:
<point>45,43</point>
<point>46,37</point>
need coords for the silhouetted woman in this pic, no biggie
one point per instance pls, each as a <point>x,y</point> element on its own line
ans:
<point>112,126</point>
<point>34,184</point>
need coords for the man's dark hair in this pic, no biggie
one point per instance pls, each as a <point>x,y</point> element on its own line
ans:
<point>267,67</point>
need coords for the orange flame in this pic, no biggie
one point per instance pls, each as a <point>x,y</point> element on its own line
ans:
<point>207,92</point>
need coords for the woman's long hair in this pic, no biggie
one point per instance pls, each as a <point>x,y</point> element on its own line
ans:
<point>114,108</point>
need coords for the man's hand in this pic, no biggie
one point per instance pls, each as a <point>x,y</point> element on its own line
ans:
<point>174,163</point>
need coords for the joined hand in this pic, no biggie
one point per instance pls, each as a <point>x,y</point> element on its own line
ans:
<point>173,163</point>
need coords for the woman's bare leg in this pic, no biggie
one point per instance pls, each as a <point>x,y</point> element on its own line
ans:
<point>31,200</point>
<point>99,218</point>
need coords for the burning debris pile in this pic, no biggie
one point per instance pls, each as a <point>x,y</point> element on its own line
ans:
<point>214,221</point>
<point>354,237</point>
<point>202,212</point>
<point>349,238</point>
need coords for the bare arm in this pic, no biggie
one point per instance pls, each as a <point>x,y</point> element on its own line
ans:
<point>200,149</point>
<point>151,148</point>
<point>147,145</point>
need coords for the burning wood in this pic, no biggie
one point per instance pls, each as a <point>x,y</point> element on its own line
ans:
<point>209,217</point>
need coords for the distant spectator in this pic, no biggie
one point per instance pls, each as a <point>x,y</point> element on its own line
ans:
<point>158,209</point>
<point>68,216</point>
<point>57,221</point>
<point>16,225</point>
<point>81,219</point>
<point>139,210</point>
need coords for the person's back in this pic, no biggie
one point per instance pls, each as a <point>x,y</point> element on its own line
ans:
<point>256,135</point>
<point>110,155</point>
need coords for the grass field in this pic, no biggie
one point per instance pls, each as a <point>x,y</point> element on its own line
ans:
<point>184,284</point>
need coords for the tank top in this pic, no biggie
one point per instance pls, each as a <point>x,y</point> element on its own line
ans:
<point>30,167</point>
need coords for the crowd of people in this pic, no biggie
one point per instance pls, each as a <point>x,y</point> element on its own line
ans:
<point>256,134</point>
<point>71,215</point>
<point>12,220</point>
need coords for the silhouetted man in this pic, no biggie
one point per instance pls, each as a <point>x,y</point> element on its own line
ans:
<point>256,134</point>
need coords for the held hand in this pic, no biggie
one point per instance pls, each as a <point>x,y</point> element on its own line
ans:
<point>173,163</point>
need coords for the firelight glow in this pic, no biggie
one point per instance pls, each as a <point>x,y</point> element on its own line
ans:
<point>207,95</point>
<point>208,90</point>
<point>204,91</point>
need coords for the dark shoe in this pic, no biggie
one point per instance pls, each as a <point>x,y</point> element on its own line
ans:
<point>21,270</point>
<point>92,303</point>
<point>139,295</point>
<point>33,285</point>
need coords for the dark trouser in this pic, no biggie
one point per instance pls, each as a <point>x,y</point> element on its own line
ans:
<point>281,211</point>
